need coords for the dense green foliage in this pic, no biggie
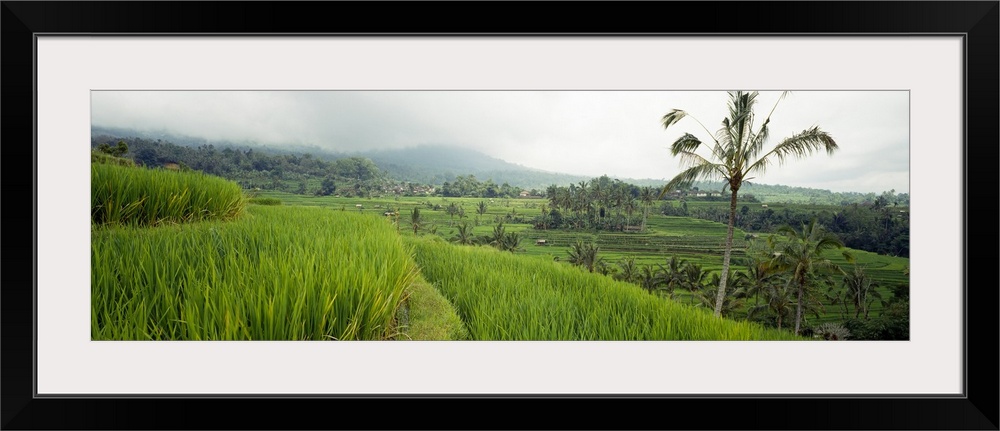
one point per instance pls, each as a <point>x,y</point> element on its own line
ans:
<point>871,227</point>
<point>142,196</point>
<point>278,273</point>
<point>303,173</point>
<point>118,150</point>
<point>878,224</point>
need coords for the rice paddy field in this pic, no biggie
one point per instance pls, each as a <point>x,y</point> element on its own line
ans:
<point>186,256</point>
<point>504,297</point>
<point>695,240</point>
<point>148,197</point>
<point>275,274</point>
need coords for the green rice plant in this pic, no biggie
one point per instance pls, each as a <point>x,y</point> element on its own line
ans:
<point>264,201</point>
<point>501,296</point>
<point>278,273</point>
<point>148,197</point>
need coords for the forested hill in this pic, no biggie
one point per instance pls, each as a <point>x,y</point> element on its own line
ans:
<point>435,165</point>
<point>439,164</point>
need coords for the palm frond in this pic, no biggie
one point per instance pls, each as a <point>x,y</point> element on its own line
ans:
<point>727,141</point>
<point>741,105</point>
<point>686,143</point>
<point>848,256</point>
<point>827,243</point>
<point>687,177</point>
<point>672,117</point>
<point>798,145</point>
<point>688,158</point>
<point>676,115</point>
<point>757,141</point>
<point>787,231</point>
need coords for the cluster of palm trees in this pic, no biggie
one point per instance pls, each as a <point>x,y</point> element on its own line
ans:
<point>601,203</point>
<point>500,238</point>
<point>784,278</point>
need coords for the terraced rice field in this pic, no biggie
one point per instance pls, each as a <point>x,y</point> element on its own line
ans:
<point>695,240</point>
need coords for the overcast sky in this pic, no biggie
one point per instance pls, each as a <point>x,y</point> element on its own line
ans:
<point>591,133</point>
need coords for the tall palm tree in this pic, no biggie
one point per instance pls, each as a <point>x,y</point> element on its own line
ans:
<point>759,275</point>
<point>779,302</point>
<point>629,271</point>
<point>564,199</point>
<point>647,196</point>
<point>735,154</point>
<point>496,239</point>
<point>694,277</point>
<point>734,298</point>
<point>860,291</point>
<point>598,192</point>
<point>511,241</point>
<point>452,210</point>
<point>672,275</point>
<point>801,256</point>
<point>585,255</point>
<point>649,279</point>
<point>416,220</point>
<point>464,236</point>
<point>552,194</point>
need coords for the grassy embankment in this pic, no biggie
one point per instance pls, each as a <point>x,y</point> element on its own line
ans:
<point>502,296</point>
<point>180,256</point>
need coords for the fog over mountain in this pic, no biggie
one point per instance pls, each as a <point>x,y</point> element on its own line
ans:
<point>580,133</point>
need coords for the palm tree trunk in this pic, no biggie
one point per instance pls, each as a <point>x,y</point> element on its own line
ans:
<point>798,309</point>
<point>725,256</point>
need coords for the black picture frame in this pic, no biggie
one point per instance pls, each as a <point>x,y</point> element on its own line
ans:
<point>976,21</point>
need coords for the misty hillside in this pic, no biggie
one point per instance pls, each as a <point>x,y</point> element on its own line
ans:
<point>424,164</point>
<point>435,165</point>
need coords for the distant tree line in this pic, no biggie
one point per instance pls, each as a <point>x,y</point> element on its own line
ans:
<point>603,203</point>
<point>469,186</point>
<point>774,193</point>
<point>293,173</point>
<point>871,227</point>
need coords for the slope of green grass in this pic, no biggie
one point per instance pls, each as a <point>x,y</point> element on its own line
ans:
<point>501,296</point>
<point>694,240</point>
<point>278,273</point>
<point>140,196</point>
<point>427,315</point>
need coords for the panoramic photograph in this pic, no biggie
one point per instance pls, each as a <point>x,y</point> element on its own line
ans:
<point>500,215</point>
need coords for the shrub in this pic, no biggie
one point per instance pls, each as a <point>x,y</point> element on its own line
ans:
<point>831,331</point>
